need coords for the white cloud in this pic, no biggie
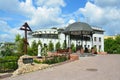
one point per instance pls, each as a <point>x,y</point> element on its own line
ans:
<point>108,3</point>
<point>4,26</point>
<point>7,5</point>
<point>46,16</point>
<point>7,33</point>
<point>5,37</point>
<point>27,8</point>
<point>50,3</point>
<point>71,21</point>
<point>45,13</point>
<point>92,12</point>
<point>42,14</point>
<point>106,17</point>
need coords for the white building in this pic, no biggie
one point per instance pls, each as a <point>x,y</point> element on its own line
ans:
<point>57,35</point>
<point>98,38</point>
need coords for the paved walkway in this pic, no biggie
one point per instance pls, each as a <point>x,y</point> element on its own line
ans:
<point>101,67</point>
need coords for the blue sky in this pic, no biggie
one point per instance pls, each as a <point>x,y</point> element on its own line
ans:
<point>73,5</point>
<point>57,13</point>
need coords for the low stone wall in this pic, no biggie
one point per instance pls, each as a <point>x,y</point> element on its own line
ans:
<point>29,68</point>
<point>25,68</point>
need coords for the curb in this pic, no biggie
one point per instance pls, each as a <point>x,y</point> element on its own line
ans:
<point>5,75</point>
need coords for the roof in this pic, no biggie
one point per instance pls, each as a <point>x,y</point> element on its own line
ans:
<point>78,27</point>
<point>45,31</point>
<point>95,28</point>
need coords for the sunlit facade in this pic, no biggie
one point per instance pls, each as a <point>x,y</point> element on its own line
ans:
<point>56,35</point>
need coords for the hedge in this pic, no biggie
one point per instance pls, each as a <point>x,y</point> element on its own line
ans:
<point>8,63</point>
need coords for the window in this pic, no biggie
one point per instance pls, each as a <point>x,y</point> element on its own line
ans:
<point>99,39</point>
<point>49,36</point>
<point>95,39</point>
<point>99,47</point>
<point>84,46</point>
<point>88,46</point>
<point>95,46</point>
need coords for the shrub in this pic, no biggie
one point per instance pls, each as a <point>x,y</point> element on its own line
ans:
<point>39,43</point>
<point>112,45</point>
<point>73,47</point>
<point>64,45</point>
<point>51,46</point>
<point>38,62</point>
<point>55,59</point>
<point>58,45</point>
<point>33,50</point>
<point>8,63</point>
<point>44,50</point>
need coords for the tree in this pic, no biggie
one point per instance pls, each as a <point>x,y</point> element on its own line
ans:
<point>63,45</point>
<point>7,51</point>
<point>39,43</point>
<point>73,47</point>
<point>51,46</point>
<point>112,45</point>
<point>44,50</point>
<point>57,46</point>
<point>108,44</point>
<point>17,38</point>
<point>19,44</point>
<point>117,42</point>
<point>34,48</point>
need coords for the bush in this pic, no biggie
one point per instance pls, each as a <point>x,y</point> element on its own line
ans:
<point>51,46</point>
<point>33,50</point>
<point>112,45</point>
<point>7,58</point>
<point>8,63</point>
<point>64,45</point>
<point>73,47</point>
<point>55,59</point>
<point>58,45</point>
<point>38,62</point>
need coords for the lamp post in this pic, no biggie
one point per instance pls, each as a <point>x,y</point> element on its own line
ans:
<point>26,28</point>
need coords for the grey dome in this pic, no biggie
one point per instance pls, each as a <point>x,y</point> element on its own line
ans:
<point>79,26</point>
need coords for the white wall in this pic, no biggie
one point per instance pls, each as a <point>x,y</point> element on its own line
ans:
<point>97,42</point>
<point>62,38</point>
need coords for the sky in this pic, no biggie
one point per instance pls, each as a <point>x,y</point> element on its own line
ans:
<point>57,13</point>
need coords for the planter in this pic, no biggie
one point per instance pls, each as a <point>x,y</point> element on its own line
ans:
<point>74,57</point>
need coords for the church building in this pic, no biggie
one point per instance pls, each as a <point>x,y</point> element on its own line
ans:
<point>78,33</point>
